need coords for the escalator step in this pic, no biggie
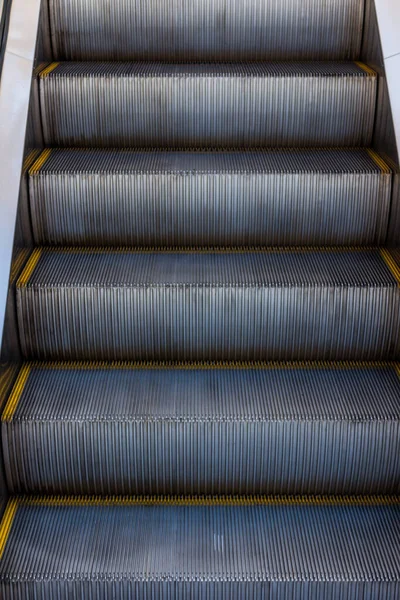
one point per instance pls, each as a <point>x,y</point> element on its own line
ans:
<point>126,548</point>
<point>207,104</point>
<point>87,428</point>
<point>206,29</point>
<point>209,305</point>
<point>210,198</point>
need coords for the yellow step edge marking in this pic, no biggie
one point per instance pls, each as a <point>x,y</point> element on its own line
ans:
<point>16,393</point>
<point>207,500</point>
<point>397,367</point>
<point>182,365</point>
<point>17,264</point>
<point>29,267</point>
<point>365,68</point>
<point>391,263</point>
<point>379,161</point>
<point>48,70</point>
<point>6,523</point>
<point>6,378</point>
<point>38,164</point>
<point>29,158</point>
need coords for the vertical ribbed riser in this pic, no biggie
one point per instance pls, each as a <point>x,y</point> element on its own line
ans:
<point>156,110</point>
<point>206,29</point>
<point>209,323</point>
<point>282,457</point>
<point>99,590</point>
<point>210,209</point>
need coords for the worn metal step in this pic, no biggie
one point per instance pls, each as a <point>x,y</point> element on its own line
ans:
<point>210,197</point>
<point>95,428</point>
<point>269,548</point>
<point>207,104</point>
<point>206,29</point>
<point>191,305</point>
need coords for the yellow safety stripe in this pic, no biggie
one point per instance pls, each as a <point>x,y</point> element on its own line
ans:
<point>38,164</point>
<point>6,378</point>
<point>17,264</point>
<point>366,68</point>
<point>16,393</point>
<point>29,159</point>
<point>391,263</point>
<point>48,70</point>
<point>29,267</point>
<point>6,523</point>
<point>379,161</point>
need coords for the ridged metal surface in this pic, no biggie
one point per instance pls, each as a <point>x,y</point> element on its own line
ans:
<point>277,197</point>
<point>258,431</point>
<point>209,305</point>
<point>206,29</point>
<point>221,104</point>
<point>268,551</point>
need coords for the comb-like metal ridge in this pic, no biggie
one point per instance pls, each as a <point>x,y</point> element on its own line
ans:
<point>206,29</point>
<point>305,550</point>
<point>166,197</point>
<point>207,104</point>
<point>276,305</point>
<point>109,430</point>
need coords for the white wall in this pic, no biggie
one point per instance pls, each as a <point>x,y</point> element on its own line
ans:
<point>388,12</point>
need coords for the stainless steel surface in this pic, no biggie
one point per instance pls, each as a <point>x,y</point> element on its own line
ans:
<point>207,305</point>
<point>209,104</point>
<point>280,551</point>
<point>156,198</point>
<point>273,430</point>
<point>206,29</point>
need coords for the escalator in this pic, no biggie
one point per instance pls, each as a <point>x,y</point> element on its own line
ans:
<point>208,401</point>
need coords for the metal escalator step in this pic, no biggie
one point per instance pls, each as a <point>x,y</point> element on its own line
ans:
<point>228,198</point>
<point>201,305</point>
<point>85,428</point>
<point>206,29</point>
<point>207,104</point>
<point>122,548</point>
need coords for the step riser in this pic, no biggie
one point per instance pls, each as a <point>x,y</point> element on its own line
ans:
<point>146,457</point>
<point>204,111</point>
<point>148,590</point>
<point>227,209</point>
<point>206,29</point>
<point>167,323</point>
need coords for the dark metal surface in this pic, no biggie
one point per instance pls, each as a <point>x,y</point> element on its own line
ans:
<point>209,305</point>
<point>323,551</point>
<point>206,29</point>
<point>92,429</point>
<point>235,104</point>
<point>228,198</point>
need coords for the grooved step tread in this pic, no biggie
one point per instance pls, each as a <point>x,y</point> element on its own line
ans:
<point>119,546</point>
<point>82,267</point>
<point>59,70</point>
<point>332,161</point>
